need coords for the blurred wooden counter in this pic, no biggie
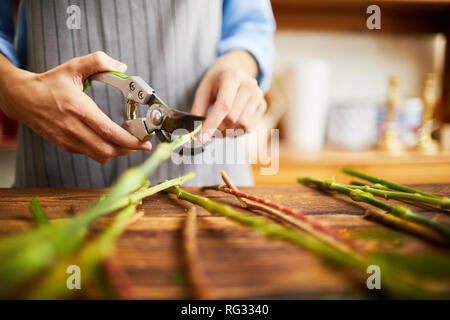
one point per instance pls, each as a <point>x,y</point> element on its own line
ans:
<point>412,167</point>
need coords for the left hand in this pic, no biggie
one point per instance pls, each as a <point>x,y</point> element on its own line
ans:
<point>230,86</point>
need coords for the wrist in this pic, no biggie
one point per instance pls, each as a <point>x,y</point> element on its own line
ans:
<point>10,78</point>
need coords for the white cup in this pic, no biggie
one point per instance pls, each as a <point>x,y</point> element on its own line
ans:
<point>305,120</point>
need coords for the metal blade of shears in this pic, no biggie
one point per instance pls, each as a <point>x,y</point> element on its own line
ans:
<point>174,119</point>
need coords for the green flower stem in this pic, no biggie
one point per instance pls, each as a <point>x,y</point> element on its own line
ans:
<point>393,279</point>
<point>359,195</point>
<point>55,241</point>
<point>407,226</point>
<point>444,203</point>
<point>387,183</point>
<point>133,178</point>
<point>38,212</point>
<point>135,197</point>
<point>375,185</point>
<point>29,252</point>
<point>53,286</point>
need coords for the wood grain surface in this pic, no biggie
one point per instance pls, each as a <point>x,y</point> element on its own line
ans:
<point>237,262</point>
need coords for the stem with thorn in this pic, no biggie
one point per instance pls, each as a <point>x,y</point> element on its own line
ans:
<point>271,229</point>
<point>293,217</point>
<point>359,195</point>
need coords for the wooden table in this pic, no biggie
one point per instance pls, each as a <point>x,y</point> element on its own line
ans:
<point>238,263</point>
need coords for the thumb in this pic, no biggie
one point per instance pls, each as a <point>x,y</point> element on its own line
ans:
<point>96,62</point>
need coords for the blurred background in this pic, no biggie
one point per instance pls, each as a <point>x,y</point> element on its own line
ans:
<point>345,95</point>
<point>342,94</point>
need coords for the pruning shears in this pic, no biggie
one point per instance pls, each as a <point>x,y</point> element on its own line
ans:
<point>160,119</point>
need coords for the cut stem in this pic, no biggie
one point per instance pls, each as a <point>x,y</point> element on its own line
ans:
<point>443,203</point>
<point>359,195</point>
<point>387,183</point>
<point>195,274</point>
<point>408,226</point>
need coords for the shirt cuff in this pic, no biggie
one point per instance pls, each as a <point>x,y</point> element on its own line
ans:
<point>257,45</point>
<point>8,50</point>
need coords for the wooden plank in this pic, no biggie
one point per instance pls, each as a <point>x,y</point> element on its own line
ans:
<point>238,263</point>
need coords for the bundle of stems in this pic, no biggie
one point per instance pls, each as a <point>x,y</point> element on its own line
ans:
<point>443,203</point>
<point>360,195</point>
<point>290,216</point>
<point>269,228</point>
<point>29,252</point>
<point>390,186</point>
<point>397,285</point>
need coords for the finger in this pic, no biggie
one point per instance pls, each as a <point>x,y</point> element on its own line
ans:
<point>202,99</point>
<point>240,101</point>
<point>96,144</point>
<point>106,128</point>
<point>222,106</point>
<point>79,138</point>
<point>96,62</point>
<point>259,113</point>
<point>245,120</point>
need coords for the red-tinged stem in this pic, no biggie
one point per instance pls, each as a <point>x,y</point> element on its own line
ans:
<point>292,212</point>
<point>193,267</point>
<point>118,280</point>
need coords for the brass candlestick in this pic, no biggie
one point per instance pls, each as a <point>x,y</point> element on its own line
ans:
<point>426,143</point>
<point>390,142</point>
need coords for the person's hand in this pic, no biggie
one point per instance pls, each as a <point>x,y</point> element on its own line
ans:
<point>230,86</point>
<point>54,106</point>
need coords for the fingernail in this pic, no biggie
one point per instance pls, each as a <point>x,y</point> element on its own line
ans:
<point>204,137</point>
<point>146,146</point>
<point>120,66</point>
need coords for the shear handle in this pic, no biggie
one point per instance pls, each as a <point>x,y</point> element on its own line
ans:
<point>133,88</point>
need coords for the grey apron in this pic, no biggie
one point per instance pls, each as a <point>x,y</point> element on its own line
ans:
<point>169,43</point>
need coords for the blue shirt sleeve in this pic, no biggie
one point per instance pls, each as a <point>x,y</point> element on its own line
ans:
<point>7,32</point>
<point>249,25</point>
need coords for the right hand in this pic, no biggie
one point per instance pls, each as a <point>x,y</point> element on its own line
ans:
<point>54,106</point>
